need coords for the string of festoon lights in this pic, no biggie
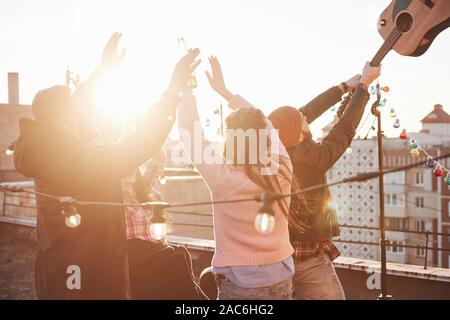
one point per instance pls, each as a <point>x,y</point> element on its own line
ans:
<point>264,220</point>
<point>9,150</point>
<point>340,110</point>
<point>416,149</point>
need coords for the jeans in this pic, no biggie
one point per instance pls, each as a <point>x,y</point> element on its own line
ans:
<point>316,279</point>
<point>229,291</point>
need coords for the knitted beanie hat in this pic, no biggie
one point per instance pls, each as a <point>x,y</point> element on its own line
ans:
<point>288,121</point>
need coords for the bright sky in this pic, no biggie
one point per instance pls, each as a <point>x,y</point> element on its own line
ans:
<point>273,52</point>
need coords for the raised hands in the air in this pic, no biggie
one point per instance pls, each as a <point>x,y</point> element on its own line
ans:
<point>183,70</point>
<point>216,79</point>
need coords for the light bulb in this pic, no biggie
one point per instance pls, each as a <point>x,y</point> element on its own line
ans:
<point>447,179</point>
<point>163,180</point>
<point>373,90</point>
<point>396,124</point>
<point>393,114</point>
<point>385,89</point>
<point>333,109</point>
<point>73,220</point>
<point>9,152</point>
<point>158,231</point>
<point>414,153</point>
<point>265,223</point>
<point>403,135</point>
<point>438,172</point>
<point>414,144</point>
<point>430,162</point>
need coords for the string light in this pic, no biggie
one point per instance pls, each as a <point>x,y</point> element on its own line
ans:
<point>158,226</point>
<point>10,149</point>
<point>163,179</point>
<point>438,169</point>
<point>383,102</point>
<point>333,108</point>
<point>438,172</point>
<point>430,162</point>
<point>385,88</point>
<point>396,124</point>
<point>403,135</point>
<point>393,114</point>
<point>264,222</point>
<point>373,90</point>
<point>447,179</point>
<point>414,153</point>
<point>265,219</point>
<point>70,212</point>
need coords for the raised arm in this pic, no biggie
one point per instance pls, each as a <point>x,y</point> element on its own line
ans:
<point>88,90</point>
<point>320,104</point>
<point>325,154</point>
<point>81,162</point>
<point>217,82</point>
<point>195,144</point>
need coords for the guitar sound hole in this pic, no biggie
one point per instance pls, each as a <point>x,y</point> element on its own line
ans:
<point>404,22</point>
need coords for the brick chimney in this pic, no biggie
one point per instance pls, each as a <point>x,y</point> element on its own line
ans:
<point>13,88</point>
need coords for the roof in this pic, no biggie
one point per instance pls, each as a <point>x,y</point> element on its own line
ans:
<point>438,115</point>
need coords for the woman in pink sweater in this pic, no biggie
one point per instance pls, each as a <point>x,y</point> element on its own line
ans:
<point>248,264</point>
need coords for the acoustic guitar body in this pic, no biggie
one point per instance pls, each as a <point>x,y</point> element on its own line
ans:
<point>419,21</point>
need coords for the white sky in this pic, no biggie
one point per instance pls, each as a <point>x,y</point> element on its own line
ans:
<point>274,53</point>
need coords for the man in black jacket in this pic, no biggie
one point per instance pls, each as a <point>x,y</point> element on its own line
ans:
<point>315,276</point>
<point>88,261</point>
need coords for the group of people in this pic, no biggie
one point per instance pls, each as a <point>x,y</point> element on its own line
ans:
<point>112,247</point>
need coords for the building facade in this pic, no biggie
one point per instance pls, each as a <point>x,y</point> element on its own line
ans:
<point>416,202</point>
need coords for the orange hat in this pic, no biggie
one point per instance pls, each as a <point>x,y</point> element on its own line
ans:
<point>288,121</point>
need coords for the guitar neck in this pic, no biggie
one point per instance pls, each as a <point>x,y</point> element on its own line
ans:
<point>386,47</point>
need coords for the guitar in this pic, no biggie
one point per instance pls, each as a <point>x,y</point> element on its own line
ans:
<point>409,27</point>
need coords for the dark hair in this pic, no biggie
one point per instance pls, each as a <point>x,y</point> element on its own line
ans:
<point>246,119</point>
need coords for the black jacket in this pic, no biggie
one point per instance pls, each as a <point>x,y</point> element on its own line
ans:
<point>312,160</point>
<point>64,166</point>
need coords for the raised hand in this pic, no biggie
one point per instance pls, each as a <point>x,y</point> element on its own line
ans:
<point>183,70</point>
<point>369,74</point>
<point>110,57</point>
<point>353,82</point>
<point>216,80</point>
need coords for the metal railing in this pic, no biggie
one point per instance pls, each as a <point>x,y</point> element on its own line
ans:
<point>426,247</point>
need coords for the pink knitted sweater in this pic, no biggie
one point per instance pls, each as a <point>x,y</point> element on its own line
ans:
<point>238,243</point>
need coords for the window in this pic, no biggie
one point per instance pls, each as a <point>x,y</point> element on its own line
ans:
<point>420,251</point>
<point>420,225</point>
<point>397,200</point>
<point>396,246</point>
<point>419,178</point>
<point>395,178</point>
<point>388,200</point>
<point>397,223</point>
<point>419,202</point>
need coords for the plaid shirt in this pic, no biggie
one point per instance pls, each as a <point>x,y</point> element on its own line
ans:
<point>138,220</point>
<point>305,250</point>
